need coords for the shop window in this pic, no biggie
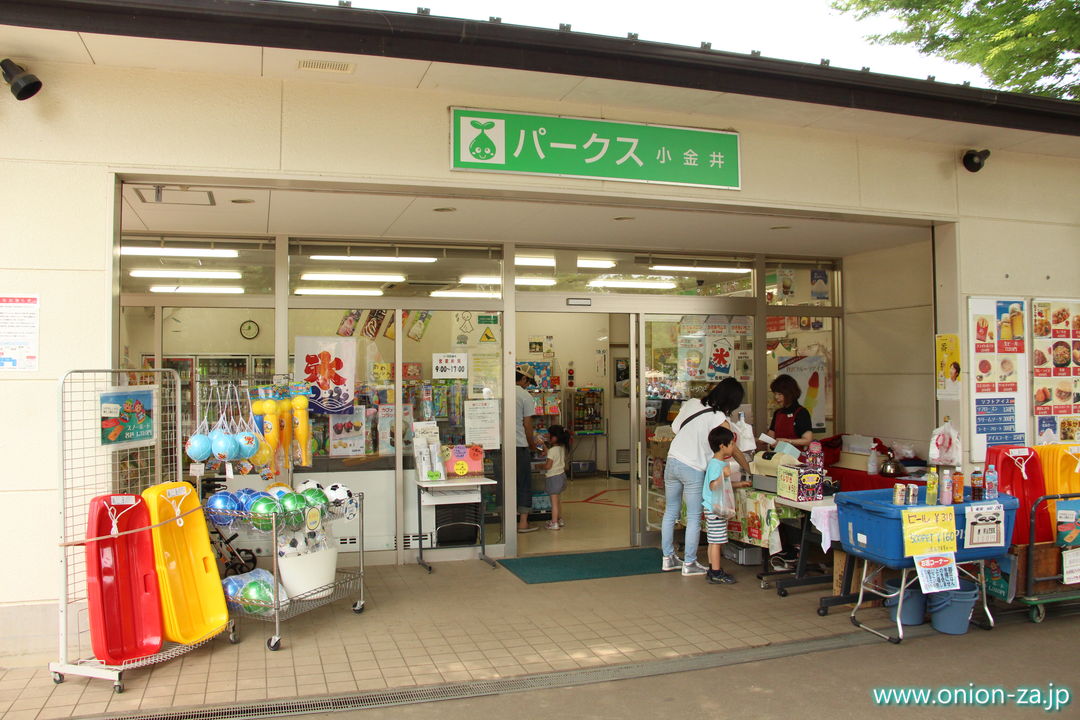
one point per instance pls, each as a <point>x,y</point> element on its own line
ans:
<point>203,266</point>
<point>805,349</point>
<point>794,283</point>
<point>326,269</point>
<point>598,271</point>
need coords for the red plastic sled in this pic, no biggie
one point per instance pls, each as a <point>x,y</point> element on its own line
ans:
<point>121,581</point>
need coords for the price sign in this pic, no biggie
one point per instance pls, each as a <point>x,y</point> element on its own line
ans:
<point>929,530</point>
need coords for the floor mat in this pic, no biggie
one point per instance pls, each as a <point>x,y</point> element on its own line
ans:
<point>585,566</point>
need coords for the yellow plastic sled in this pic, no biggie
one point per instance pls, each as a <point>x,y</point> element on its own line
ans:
<point>192,601</point>
<point>1061,471</point>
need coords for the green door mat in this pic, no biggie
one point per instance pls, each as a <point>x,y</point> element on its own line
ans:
<point>585,566</point>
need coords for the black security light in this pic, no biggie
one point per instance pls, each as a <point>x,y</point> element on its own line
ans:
<point>24,85</point>
<point>975,159</point>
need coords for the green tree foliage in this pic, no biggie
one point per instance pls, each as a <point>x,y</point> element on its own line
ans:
<point>1029,46</point>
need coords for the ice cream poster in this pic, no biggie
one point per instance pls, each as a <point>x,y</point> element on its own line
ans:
<point>348,434</point>
<point>947,366</point>
<point>329,368</point>
<point>809,371</point>
<point>127,417</point>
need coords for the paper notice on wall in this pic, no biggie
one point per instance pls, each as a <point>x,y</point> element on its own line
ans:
<point>937,572</point>
<point>485,375</point>
<point>482,423</point>
<point>947,366</point>
<point>20,321</point>
<point>1070,566</point>
<point>1000,385</point>
<point>448,366</point>
<point>984,525</point>
<point>348,434</point>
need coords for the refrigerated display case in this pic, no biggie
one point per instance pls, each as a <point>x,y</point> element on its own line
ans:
<point>185,368</point>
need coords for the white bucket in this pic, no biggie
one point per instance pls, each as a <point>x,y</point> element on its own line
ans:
<point>303,573</point>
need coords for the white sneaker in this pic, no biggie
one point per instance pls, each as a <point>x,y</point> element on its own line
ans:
<point>562,523</point>
<point>552,525</point>
<point>671,562</point>
<point>694,568</point>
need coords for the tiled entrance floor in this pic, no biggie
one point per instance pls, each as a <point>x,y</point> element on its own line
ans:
<point>464,621</point>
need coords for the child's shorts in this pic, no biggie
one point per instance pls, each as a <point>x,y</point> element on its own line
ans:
<point>555,484</point>
<point>715,529</point>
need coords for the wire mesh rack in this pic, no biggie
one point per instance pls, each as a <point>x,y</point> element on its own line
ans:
<point>91,466</point>
<point>346,583</point>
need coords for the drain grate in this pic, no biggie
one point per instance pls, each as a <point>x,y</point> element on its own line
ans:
<point>502,686</point>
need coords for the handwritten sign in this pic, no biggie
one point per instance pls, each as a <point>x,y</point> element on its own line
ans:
<point>937,572</point>
<point>929,530</point>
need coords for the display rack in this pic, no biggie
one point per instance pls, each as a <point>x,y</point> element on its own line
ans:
<point>585,419</point>
<point>88,470</point>
<point>345,583</point>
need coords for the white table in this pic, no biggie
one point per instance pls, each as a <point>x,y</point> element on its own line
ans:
<point>452,491</point>
<point>798,575</point>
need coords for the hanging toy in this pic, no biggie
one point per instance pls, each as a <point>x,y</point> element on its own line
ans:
<point>272,433</point>
<point>302,428</point>
<point>284,408</point>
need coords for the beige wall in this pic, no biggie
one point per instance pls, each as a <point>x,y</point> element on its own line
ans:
<point>56,231</point>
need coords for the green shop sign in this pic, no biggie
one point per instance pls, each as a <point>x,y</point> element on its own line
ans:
<point>579,147</point>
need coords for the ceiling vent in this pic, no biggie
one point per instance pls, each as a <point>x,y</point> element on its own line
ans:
<point>161,195</point>
<point>326,66</point>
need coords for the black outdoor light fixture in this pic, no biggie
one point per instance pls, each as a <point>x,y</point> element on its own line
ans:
<point>24,85</point>
<point>975,159</point>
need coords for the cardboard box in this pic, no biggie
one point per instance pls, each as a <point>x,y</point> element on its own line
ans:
<point>852,461</point>
<point>742,554</point>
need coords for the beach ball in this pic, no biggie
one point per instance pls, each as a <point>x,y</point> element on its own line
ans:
<point>251,496</point>
<point>248,444</point>
<point>316,498</point>
<point>242,493</point>
<point>262,509</point>
<point>338,493</point>
<point>197,447</point>
<point>216,433</point>
<point>232,587</point>
<point>222,500</point>
<point>278,489</point>
<point>293,504</point>
<point>223,446</point>
<point>256,591</point>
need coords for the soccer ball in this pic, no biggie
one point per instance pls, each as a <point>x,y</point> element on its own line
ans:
<point>308,484</point>
<point>338,493</point>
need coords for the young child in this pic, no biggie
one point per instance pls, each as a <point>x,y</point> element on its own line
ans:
<point>555,471</point>
<point>717,472</point>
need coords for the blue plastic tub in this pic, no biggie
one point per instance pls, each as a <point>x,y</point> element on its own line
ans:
<point>950,611</point>
<point>870,527</point>
<point>914,610</point>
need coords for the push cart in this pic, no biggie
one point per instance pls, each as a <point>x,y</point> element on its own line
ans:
<point>870,528</point>
<point>1035,601</point>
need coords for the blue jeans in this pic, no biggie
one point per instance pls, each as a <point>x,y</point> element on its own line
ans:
<point>681,482</point>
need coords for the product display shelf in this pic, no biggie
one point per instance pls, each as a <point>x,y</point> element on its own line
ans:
<point>346,583</point>
<point>585,418</point>
<point>89,470</point>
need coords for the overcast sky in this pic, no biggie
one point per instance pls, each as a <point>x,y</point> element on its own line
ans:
<point>803,30</point>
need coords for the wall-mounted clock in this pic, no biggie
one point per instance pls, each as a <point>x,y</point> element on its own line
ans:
<point>249,329</point>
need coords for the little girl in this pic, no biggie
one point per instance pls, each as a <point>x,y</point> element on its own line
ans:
<point>555,471</point>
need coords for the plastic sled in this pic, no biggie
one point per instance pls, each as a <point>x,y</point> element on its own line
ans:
<point>1061,469</point>
<point>1020,474</point>
<point>121,581</point>
<point>192,601</point>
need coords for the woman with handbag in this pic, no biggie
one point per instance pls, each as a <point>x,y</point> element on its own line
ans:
<point>684,471</point>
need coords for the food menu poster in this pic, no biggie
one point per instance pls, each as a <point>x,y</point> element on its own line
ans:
<point>1055,368</point>
<point>997,350</point>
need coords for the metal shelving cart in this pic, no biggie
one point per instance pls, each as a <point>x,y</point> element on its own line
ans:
<point>1037,601</point>
<point>346,583</point>
<point>87,470</point>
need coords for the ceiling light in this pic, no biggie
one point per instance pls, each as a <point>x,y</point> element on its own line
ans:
<point>637,284</point>
<point>351,277</point>
<point>24,85</point>
<point>214,274</point>
<point>204,289</point>
<point>696,268</point>
<point>374,258</point>
<point>535,261</point>
<point>589,263</point>
<point>177,252</point>
<point>480,280</point>
<point>465,294</point>
<point>536,281</point>
<point>374,292</point>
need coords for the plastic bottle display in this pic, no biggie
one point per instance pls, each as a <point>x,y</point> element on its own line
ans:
<point>958,486</point>
<point>945,489</point>
<point>976,485</point>
<point>932,486</point>
<point>990,491</point>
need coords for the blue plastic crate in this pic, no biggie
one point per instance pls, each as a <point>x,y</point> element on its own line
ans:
<point>871,526</point>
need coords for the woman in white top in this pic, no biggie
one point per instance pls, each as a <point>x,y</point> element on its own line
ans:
<point>684,471</point>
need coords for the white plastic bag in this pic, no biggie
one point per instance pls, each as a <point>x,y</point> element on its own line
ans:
<point>744,434</point>
<point>945,446</point>
<point>724,499</point>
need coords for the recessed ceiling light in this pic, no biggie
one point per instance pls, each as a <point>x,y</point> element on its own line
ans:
<point>623,218</point>
<point>351,277</point>
<point>594,263</point>
<point>637,284</point>
<point>480,280</point>
<point>444,209</point>
<point>534,261</point>
<point>374,292</point>
<point>209,274</point>
<point>465,294</point>
<point>242,201</point>
<point>696,268</point>
<point>780,227</point>
<point>374,258</point>
<point>177,252</point>
<point>200,289</point>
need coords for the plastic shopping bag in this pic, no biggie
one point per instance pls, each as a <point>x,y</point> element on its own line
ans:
<point>945,446</point>
<point>724,501</point>
<point>744,433</point>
